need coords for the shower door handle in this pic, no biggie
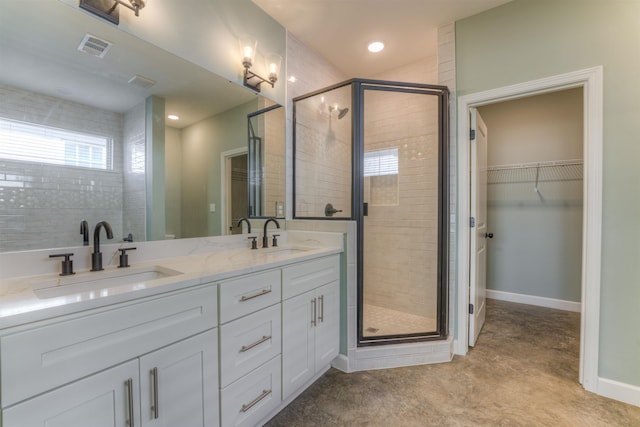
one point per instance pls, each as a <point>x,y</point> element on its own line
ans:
<point>488,235</point>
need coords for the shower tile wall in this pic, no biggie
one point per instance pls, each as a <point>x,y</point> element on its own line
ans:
<point>312,72</point>
<point>323,155</point>
<point>401,238</point>
<point>41,206</point>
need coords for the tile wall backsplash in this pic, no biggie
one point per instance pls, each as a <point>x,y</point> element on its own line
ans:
<point>41,206</point>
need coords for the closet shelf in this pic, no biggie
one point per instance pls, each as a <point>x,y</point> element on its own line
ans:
<point>562,170</point>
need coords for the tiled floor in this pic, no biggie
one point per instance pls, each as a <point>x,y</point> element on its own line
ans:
<point>522,372</point>
<point>385,321</point>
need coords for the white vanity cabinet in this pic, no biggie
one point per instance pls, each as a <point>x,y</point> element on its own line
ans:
<point>250,348</point>
<point>174,386</point>
<point>178,384</point>
<point>230,353</point>
<point>106,399</point>
<point>311,321</point>
<point>152,361</point>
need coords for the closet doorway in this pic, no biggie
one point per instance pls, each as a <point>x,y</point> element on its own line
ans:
<point>527,241</point>
<point>590,82</point>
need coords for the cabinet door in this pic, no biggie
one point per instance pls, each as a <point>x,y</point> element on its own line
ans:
<point>328,325</point>
<point>179,383</point>
<point>106,399</point>
<point>298,335</point>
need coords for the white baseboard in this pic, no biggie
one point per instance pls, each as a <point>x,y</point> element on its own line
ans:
<point>341,363</point>
<point>623,392</point>
<point>558,304</point>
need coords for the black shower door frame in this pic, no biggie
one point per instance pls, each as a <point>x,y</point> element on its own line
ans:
<point>358,88</point>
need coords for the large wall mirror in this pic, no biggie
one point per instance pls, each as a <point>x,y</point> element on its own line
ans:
<point>84,134</point>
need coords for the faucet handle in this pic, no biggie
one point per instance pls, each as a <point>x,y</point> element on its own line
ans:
<point>67,264</point>
<point>124,258</point>
<point>275,240</point>
<point>254,242</point>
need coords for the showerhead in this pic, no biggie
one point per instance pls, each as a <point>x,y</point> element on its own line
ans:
<point>342,112</point>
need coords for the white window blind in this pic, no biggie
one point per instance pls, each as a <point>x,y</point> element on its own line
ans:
<point>44,144</point>
<point>381,162</point>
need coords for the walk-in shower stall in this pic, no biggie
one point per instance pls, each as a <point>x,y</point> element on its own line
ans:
<point>376,152</point>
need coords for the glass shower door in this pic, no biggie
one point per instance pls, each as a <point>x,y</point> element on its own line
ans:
<point>402,222</point>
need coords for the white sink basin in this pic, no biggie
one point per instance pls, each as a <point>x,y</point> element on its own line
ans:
<point>101,282</point>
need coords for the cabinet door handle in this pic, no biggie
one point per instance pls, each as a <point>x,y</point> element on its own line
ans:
<point>259,294</point>
<point>251,404</point>
<point>313,312</point>
<point>321,303</point>
<point>255,344</point>
<point>154,384</point>
<point>129,390</point>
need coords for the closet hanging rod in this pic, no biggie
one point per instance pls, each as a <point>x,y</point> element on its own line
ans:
<point>545,164</point>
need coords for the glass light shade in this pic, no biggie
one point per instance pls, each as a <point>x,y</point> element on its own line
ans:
<point>248,47</point>
<point>273,65</point>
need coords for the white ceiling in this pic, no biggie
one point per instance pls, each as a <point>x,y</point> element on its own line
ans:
<point>38,52</point>
<point>340,30</point>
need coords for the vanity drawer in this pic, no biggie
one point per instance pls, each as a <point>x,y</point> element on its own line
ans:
<point>39,359</point>
<point>248,294</point>
<point>253,397</point>
<point>303,277</point>
<point>249,342</point>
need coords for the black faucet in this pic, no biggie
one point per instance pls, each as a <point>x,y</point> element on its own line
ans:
<point>265,239</point>
<point>96,256</point>
<point>243,219</point>
<point>84,230</point>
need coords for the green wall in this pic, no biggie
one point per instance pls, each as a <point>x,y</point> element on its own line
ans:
<point>202,144</point>
<point>530,39</point>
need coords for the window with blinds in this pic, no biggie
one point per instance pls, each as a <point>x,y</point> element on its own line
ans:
<point>381,162</point>
<point>44,144</point>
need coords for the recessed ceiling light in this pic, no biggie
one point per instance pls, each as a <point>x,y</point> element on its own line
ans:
<point>375,47</point>
<point>172,117</point>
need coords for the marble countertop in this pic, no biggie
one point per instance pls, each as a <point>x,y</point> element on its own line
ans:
<point>28,299</point>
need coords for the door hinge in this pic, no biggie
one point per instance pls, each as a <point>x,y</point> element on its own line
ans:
<point>470,308</point>
<point>472,222</point>
<point>472,134</point>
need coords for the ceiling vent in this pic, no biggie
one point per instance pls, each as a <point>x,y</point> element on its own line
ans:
<point>94,46</point>
<point>142,81</point>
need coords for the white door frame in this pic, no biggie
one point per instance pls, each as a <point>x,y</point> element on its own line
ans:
<point>591,81</point>
<point>225,183</point>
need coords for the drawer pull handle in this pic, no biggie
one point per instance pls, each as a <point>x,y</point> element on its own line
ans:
<point>129,390</point>
<point>255,401</point>
<point>255,344</point>
<point>321,303</point>
<point>154,381</point>
<point>259,294</point>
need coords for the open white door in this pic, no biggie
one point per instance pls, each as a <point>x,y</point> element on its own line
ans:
<point>478,230</point>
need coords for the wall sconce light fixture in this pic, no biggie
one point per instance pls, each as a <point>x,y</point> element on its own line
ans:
<point>136,5</point>
<point>248,47</point>
<point>108,9</point>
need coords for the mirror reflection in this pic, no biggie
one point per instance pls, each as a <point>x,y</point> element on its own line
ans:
<point>84,137</point>
<point>266,163</point>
